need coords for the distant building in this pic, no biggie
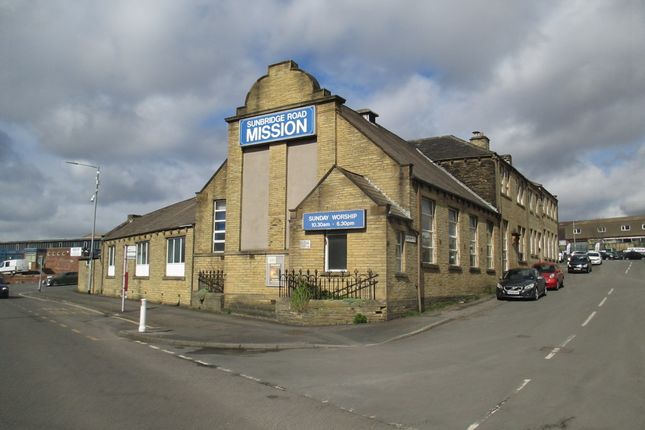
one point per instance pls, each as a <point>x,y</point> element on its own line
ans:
<point>53,254</point>
<point>617,233</point>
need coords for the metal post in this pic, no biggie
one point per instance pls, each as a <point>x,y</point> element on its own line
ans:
<point>90,275</point>
<point>90,271</point>
<point>142,317</point>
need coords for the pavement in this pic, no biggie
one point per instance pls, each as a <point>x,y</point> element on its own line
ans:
<point>180,326</point>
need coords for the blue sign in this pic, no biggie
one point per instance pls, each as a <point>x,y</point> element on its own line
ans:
<point>337,220</point>
<point>288,124</point>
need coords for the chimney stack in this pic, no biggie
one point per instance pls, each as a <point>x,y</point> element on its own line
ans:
<point>368,114</point>
<point>480,140</point>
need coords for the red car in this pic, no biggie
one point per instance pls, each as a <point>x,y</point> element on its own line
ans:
<point>551,273</point>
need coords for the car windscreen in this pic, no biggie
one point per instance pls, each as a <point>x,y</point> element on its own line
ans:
<point>517,275</point>
<point>545,268</point>
<point>575,259</point>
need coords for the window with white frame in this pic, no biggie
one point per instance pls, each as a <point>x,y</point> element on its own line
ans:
<point>577,230</point>
<point>175,261</point>
<point>111,260</point>
<point>473,223</point>
<point>490,262</point>
<point>219,225</point>
<point>506,182</point>
<point>427,230</point>
<point>521,194</point>
<point>453,237</point>
<point>336,253</point>
<point>625,227</point>
<point>143,259</point>
<point>603,229</point>
<point>400,251</point>
<point>642,226</point>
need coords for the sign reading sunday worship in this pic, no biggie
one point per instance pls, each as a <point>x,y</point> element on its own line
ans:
<point>336,220</point>
<point>284,125</point>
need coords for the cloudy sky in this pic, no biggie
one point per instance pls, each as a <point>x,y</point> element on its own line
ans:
<point>142,87</point>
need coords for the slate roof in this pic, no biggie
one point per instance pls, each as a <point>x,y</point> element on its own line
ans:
<point>174,216</point>
<point>406,153</point>
<point>449,147</point>
<point>374,193</point>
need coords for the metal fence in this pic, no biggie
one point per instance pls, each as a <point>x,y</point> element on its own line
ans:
<point>212,280</point>
<point>330,285</point>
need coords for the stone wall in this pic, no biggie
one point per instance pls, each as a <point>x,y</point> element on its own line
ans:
<point>330,312</point>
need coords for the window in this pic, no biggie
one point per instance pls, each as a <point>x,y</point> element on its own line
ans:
<point>490,264</point>
<point>642,226</point>
<point>625,227</point>
<point>176,258</point>
<point>506,182</point>
<point>111,260</point>
<point>603,229</point>
<point>400,251</point>
<point>219,225</point>
<point>427,230</point>
<point>143,259</point>
<point>577,231</point>
<point>453,237</point>
<point>520,194</point>
<point>336,252</point>
<point>521,246</point>
<point>473,242</point>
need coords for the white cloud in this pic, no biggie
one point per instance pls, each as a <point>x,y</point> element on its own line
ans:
<point>142,88</point>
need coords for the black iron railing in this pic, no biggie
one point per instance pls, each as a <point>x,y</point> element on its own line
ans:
<point>330,285</point>
<point>212,280</point>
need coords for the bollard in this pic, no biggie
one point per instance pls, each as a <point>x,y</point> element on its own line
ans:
<point>142,317</point>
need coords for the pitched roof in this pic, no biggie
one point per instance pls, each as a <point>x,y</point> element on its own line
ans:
<point>374,193</point>
<point>176,215</point>
<point>448,147</point>
<point>405,153</point>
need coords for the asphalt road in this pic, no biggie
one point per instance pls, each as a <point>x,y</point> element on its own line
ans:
<point>62,367</point>
<point>575,359</point>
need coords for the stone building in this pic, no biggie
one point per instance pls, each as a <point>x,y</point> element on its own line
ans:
<point>312,186</point>
<point>528,211</point>
<point>617,233</point>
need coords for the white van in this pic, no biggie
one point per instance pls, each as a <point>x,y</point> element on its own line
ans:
<point>11,267</point>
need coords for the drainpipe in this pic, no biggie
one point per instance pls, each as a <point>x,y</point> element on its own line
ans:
<point>420,289</point>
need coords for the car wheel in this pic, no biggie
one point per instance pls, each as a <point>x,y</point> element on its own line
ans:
<point>537,293</point>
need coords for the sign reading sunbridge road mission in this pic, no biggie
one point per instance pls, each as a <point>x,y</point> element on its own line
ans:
<point>338,220</point>
<point>288,124</point>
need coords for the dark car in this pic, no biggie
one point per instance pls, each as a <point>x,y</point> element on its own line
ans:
<point>4,290</point>
<point>579,263</point>
<point>632,255</point>
<point>553,276</point>
<point>521,283</point>
<point>65,278</point>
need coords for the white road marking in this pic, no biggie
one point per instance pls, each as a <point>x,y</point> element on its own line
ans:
<point>498,406</point>
<point>154,347</point>
<point>610,291</point>
<point>557,349</point>
<point>76,331</point>
<point>168,352</point>
<point>628,267</point>
<point>602,302</point>
<point>589,318</point>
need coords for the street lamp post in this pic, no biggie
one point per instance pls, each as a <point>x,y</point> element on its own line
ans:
<point>96,199</point>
